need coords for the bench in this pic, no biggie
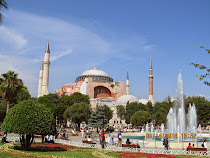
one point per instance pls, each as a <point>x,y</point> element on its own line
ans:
<point>196,149</point>
<point>88,142</point>
<point>129,146</point>
<point>37,136</point>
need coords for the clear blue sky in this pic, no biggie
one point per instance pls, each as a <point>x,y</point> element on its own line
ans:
<point>115,35</point>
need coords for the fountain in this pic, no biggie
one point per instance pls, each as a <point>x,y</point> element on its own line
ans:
<point>176,121</point>
<point>162,129</point>
<point>192,119</point>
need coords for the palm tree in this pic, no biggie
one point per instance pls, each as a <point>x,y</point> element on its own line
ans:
<point>10,85</point>
<point>3,4</point>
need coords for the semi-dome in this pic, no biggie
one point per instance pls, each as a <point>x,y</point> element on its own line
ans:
<point>123,100</point>
<point>95,74</point>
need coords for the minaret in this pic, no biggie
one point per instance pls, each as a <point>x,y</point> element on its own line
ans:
<point>40,81</point>
<point>151,83</point>
<point>46,64</point>
<point>127,84</point>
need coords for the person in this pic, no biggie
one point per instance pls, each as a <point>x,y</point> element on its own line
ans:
<point>85,138</point>
<point>103,139</point>
<point>100,137</point>
<point>111,138</point>
<point>74,132</point>
<point>205,143</point>
<point>46,139</point>
<point>165,143</point>
<point>136,143</point>
<point>51,139</point>
<point>119,136</point>
<point>82,132</point>
<point>193,146</point>
<point>89,139</point>
<point>128,141</point>
<point>202,146</point>
<point>189,146</point>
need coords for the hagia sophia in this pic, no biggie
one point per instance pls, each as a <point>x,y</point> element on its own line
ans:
<point>98,85</point>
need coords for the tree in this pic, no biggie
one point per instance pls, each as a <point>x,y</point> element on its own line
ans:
<point>131,108</point>
<point>202,67</point>
<point>28,118</point>
<point>77,113</point>
<point>100,117</point>
<point>3,107</point>
<point>140,117</point>
<point>120,112</point>
<point>78,98</point>
<point>10,86</point>
<point>50,101</point>
<point>107,112</point>
<point>3,4</point>
<point>23,94</point>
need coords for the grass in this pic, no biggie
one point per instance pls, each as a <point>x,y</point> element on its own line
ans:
<point>75,152</point>
<point>5,155</point>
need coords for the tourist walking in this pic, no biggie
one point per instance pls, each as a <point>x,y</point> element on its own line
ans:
<point>82,132</point>
<point>103,139</point>
<point>165,143</point>
<point>205,143</point>
<point>111,138</point>
<point>119,136</point>
<point>100,137</point>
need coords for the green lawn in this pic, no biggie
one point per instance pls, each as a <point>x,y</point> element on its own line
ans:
<point>5,155</point>
<point>75,152</point>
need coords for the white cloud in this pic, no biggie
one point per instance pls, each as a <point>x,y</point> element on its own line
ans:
<point>12,38</point>
<point>61,54</point>
<point>27,34</point>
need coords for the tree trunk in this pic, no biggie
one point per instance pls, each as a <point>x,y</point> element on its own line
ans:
<point>8,103</point>
<point>28,142</point>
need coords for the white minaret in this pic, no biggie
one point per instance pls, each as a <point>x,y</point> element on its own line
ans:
<point>46,64</point>
<point>151,83</point>
<point>40,81</point>
<point>127,84</point>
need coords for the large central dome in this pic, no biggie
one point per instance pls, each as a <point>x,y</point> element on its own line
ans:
<point>95,74</point>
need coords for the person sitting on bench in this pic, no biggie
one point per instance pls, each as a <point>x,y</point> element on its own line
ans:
<point>136,143</point>
<point>89,139</point>
<point>128,141</point>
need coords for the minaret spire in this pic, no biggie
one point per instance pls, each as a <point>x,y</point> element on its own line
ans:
<point>40,80</point>
<point>46,64</point>
<point>151,83</point>
<point>47,50</point>
<point>127,84</point>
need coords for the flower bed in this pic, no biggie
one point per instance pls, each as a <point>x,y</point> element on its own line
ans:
<point>53,146</point>
<point>148,155</point>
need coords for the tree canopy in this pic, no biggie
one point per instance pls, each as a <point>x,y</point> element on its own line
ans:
<point>10,86</point>
<point>3,4</point>
<point>29,118</point>
<point>77,113</point>
<point>121,112</point>
<point>140,117</point>
<point>205,76</point>
<point>100,117</point>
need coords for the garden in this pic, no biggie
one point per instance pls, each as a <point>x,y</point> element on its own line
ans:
<point>11,150</point>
